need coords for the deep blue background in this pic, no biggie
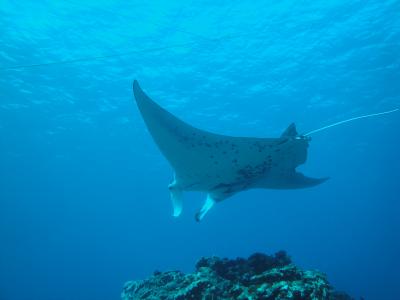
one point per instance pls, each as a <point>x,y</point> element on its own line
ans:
<point>83,200</point>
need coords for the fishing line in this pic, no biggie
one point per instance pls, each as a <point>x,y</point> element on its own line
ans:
<point>102,57</point>
<point>155,49</point>
<point>350,120</point>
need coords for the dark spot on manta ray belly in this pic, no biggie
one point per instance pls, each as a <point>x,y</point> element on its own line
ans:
<point>259,146</point>
<point>230,188</point>
<point>252,172</point>
<point>218,144</point>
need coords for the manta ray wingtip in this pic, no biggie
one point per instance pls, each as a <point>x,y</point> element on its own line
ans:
<point>317,181</point>
<point>324,179</point>
<point>290,131</point>
<point>135,84</point>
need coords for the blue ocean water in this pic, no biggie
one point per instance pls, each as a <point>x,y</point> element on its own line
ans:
<point>84,204</point>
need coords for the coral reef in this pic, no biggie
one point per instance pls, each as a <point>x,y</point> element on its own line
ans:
<point>258,277</point>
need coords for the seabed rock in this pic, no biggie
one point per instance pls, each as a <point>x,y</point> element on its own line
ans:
<point>258,277</point>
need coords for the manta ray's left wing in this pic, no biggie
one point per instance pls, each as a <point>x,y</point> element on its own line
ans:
<point>174,137</point>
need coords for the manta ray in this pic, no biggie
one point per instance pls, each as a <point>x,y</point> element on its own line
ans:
<point>222,165</point>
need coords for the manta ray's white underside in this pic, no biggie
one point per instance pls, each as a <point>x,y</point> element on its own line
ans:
<point>222,165</point>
